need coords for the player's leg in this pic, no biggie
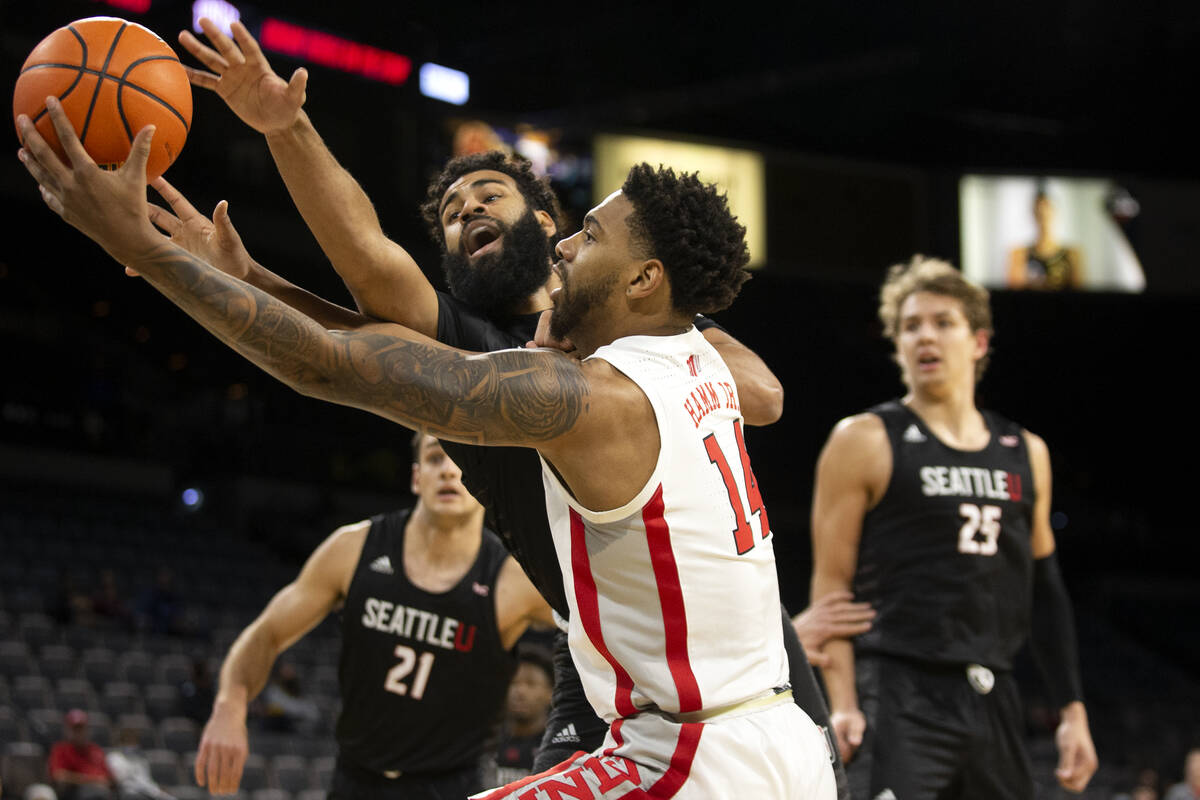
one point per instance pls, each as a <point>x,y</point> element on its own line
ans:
<point>916,734</point>
<point>999,767</point>
<point>572,726</point>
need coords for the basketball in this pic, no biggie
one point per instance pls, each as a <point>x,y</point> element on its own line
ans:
<point>113,78</point>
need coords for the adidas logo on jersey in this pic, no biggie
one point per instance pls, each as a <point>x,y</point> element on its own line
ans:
<point>913,434</point>
<point>382,564</point>
<point>1010,440</point>
<point>567,734</point>
<point>480,589</point>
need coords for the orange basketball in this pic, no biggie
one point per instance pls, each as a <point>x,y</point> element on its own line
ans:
<point>114,78</point>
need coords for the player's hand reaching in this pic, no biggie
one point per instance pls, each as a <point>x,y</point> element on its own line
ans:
<point>215,241</point>
<point>244,79</point>
<point>1077,760</point>
<point>108,207</point>
<point>224,747</point>
<point>832,616</point>
<point>542,337</point>
<point>848,728</point>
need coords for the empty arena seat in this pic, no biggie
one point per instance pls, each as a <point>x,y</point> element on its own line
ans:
<point>178,734</point>
<point>57,661</point>
<point>291,773</point>
<point>164,767</point>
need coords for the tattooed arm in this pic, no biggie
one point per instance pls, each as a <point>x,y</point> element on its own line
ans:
<point>569,411</point>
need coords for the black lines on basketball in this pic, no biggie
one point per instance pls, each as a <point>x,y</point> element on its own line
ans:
<point>100,82</point>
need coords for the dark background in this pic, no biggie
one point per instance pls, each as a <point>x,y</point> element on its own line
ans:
<point>867,113</point>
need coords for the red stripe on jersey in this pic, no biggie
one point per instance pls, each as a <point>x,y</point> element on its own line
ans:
<point>670,598</point>
<point>618,740</point>
<point>670,782</point>
<point>681,762</point>
<point>588,602</point>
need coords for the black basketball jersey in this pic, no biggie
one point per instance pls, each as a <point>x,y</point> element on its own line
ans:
<point>945,558</point>
<point>423,676</point>
<point>507,481</point>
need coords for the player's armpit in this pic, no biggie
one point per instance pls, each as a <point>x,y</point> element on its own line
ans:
<point>759,391</point>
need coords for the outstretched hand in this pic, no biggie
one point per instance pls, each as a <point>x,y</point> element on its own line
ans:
<point>244,79</point>
<point>108,207</point>
<point>215,241</point>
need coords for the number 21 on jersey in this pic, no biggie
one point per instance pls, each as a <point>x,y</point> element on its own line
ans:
<point>743,536</point>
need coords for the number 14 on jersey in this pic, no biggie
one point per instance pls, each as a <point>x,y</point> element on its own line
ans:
<point>743,536</point>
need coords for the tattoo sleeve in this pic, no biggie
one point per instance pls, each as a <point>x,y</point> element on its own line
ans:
<point>508,397</point>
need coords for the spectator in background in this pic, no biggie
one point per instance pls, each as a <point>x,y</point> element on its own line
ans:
<point>196,694</point>
<point>1189,787</point>
<point>71,605</point>
<point>109,607</point>
<point>130,769</point>
<point>525,712</point>
<point>284,705</point>
<point>37,791</point>
<point>159,607</point>
<point>76,765</point>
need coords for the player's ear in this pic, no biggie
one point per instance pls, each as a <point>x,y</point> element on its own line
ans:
<point>649,278</point>
<point>547,222</point>
<point>413,481</point>
<point>983,340</point>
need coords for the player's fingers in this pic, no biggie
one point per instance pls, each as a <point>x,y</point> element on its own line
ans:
<point>35,168</point>
<point>817,658</point>
<point>227,235</point>
<point>199,767</point>
<point>66,134</point>
<point>298,86</point>
<point>225,46</point>
<point>205,80</point>
<point>841,595</point>
<point>175,199</point>
<point>51,200</point>
<point>203,53</point>
<point>139,154</point>
<point>133,273</point>
<point>246,42</point>
<point>232,765</point>
<point>164,220</point>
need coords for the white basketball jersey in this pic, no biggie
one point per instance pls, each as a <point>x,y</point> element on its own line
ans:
<point>674,597</point>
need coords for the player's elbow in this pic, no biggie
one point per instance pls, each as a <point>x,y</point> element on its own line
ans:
<point>764,404</point>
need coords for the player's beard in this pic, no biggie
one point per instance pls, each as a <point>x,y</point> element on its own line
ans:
<point>573,303</point>
<point>497,282</point>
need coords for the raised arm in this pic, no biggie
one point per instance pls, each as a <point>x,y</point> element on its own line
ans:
<point>294,611</point>
<point>760,392</point>
<point>383,278</point>
<point>512,397</point>
<point>853,464</point>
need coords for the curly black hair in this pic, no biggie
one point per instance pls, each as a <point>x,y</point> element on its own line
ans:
<point>687,224</point>
<point>536,191</point>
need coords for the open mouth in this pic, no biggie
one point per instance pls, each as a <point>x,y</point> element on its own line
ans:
<point>928,362</point>
<point>479,235</point>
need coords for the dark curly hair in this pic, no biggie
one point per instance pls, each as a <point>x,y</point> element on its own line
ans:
<point>535,190</point>
<point>687,224</point>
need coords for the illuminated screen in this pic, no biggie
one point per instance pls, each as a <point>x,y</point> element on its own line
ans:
<point>1048,233</point>
<point>740,173</point>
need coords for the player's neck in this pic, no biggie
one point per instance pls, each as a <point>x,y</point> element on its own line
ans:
<point>440,548</point>
<point>588,339</point>
<point>952,416</point>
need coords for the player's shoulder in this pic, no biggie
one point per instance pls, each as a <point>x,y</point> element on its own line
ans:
<point>865,429</point>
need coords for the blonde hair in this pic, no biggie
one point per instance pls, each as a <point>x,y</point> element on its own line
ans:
<point>933,275</point>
